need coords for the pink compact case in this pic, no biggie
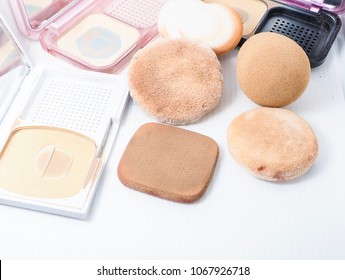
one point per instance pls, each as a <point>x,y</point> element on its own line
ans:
<point>99,35</point>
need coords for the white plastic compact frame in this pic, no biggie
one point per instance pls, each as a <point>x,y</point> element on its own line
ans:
<point>58,127</point>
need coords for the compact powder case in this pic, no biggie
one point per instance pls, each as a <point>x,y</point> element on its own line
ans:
<point>313,24</point>
<point>99,35</point>
<point>57,129</point>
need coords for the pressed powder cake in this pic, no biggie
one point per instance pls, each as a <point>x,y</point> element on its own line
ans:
<point>176,81</point>
<point>168,162</point>
<point>273,144</point>
<point>52,162</point>
<point>98,40</point>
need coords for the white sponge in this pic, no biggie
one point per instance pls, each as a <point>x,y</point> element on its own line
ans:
<point>216,25</point>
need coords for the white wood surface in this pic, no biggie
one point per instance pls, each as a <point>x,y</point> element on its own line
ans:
<point>239,217</point>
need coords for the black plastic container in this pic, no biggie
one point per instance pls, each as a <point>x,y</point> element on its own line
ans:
<point>314,32</point>
<point>313,24</point>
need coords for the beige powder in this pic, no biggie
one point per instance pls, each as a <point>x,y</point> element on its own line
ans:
<point>45,162</point>
<point>251,11</point>
<point>98,40</point>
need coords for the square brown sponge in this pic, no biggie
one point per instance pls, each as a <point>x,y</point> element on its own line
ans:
<point>168,162</point>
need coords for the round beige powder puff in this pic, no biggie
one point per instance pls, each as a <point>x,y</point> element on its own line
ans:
<point>272,69</point>
<point>273,144</point>
<point>176,81</point>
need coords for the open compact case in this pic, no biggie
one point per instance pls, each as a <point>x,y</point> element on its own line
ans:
<point>313,24</point>
<point>57,128</point>
<point>99,35</point>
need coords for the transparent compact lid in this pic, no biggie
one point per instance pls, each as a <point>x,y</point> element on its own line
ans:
<point>14,67</point>
<point>335,6</point>
<point>35,15</point>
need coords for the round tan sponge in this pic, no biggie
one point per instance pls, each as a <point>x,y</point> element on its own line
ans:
<point>273,144</point>
<point>176,81</point>
<point>272,69</point>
